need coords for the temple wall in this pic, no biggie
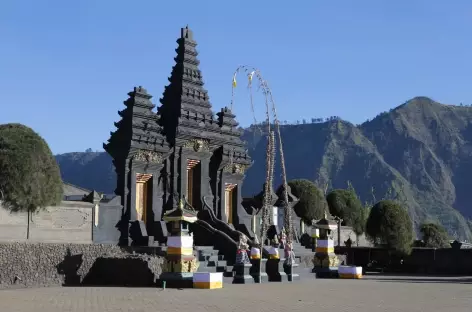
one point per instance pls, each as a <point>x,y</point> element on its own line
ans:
<point>277,217</point>
<point>346,232</point>
<point>71,222</point>
<point>28,264</point>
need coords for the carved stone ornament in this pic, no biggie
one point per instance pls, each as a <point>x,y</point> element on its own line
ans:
<point>180,266</point>
<point>326,261</point>
<point>235,168</point>
<point>148,156</point>
<point>197,145</point>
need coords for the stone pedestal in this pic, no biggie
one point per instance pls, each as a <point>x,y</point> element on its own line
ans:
<point>257,270</point>
<point>291,271</point>
<point>176,280</point>
<point>242,274</point>
<point>275,270</point>
<point>325,261</point>
<point>180,263</point>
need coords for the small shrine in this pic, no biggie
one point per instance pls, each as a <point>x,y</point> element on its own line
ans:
<point>180,263</point>
<point>325,260</point>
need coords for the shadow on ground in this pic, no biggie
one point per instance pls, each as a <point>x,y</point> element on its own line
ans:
<point>114,272</point>
<point>420,279</point>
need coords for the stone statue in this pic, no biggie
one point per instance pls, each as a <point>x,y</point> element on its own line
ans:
<point>283,238</point>
<point>289,254</point>
<point>241,254</point>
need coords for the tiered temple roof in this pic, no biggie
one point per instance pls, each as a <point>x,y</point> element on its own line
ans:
<point>186,111</point>
<point>138,128</point>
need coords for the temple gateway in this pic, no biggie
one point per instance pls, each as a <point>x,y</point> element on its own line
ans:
<point>182,153</point>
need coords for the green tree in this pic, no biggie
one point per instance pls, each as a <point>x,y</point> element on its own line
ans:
<point>346,205</point>
<point>390,225</point>
<point>434,235</point>
<point>29,175</point>
<point>312,204</point>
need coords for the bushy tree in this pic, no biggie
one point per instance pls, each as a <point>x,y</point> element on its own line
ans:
<point>346,205</point>
<point>434,235</point>
<point>390,225</point>
<point>29,175</point>
<point>312,204</point>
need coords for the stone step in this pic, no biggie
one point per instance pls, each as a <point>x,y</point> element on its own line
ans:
<point>213,258</point>
<point>222,263</point>
<point>204,268</point>
<point>209,257</point>
<point>228,271</point>
<point>207,251</point>
<point>204,248</point>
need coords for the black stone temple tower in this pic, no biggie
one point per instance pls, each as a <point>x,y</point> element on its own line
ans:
<point>184,151</point>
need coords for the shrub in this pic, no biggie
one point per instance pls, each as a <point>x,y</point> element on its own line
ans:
<point>29,175</point>
<point>312,204</point>
<point>434,235</point>
<point>390,225</point>
<point>345,205</point>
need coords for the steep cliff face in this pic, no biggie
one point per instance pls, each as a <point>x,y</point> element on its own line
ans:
<point>420,151</point>
<point>90,170</point>
<point>430,145</point>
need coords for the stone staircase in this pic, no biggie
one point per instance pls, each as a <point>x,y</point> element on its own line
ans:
<point>211,261</point>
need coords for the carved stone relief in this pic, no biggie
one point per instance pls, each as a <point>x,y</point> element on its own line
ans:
<point>197,145</point>
<point>235,168</point>
<point>148,156</point>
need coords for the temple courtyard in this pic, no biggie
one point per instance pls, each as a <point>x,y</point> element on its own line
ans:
<point>373,293</point>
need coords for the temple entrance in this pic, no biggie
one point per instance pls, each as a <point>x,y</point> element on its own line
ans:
<point>230,201</point>
<point>193,183</point>
<point>143,195</point>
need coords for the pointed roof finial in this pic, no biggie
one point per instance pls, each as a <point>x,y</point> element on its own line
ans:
<point>186,33</point>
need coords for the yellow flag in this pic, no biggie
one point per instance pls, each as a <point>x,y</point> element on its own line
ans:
<point>234,81</point>
<point>250,76</point>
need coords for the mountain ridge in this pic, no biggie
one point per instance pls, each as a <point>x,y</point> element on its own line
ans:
<point>420,150</point>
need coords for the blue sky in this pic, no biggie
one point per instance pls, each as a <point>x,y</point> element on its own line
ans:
<point>66,66</point>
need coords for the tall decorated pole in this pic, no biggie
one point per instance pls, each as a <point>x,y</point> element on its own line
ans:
<point>270,161</point>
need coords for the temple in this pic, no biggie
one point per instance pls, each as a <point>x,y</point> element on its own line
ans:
<point>181,152</point>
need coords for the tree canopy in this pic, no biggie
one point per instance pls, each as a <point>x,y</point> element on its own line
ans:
<point>390,225</point>
<point>346,205</point>
<point>312,204</point>
<point>29,175</point>
<point>434,235</point>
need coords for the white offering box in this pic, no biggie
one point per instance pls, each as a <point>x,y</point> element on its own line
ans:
<point>346,271</point>
<point>207,280</point>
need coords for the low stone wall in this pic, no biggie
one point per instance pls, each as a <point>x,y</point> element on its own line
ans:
<point>42,264</point>
<point>420,261</point>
